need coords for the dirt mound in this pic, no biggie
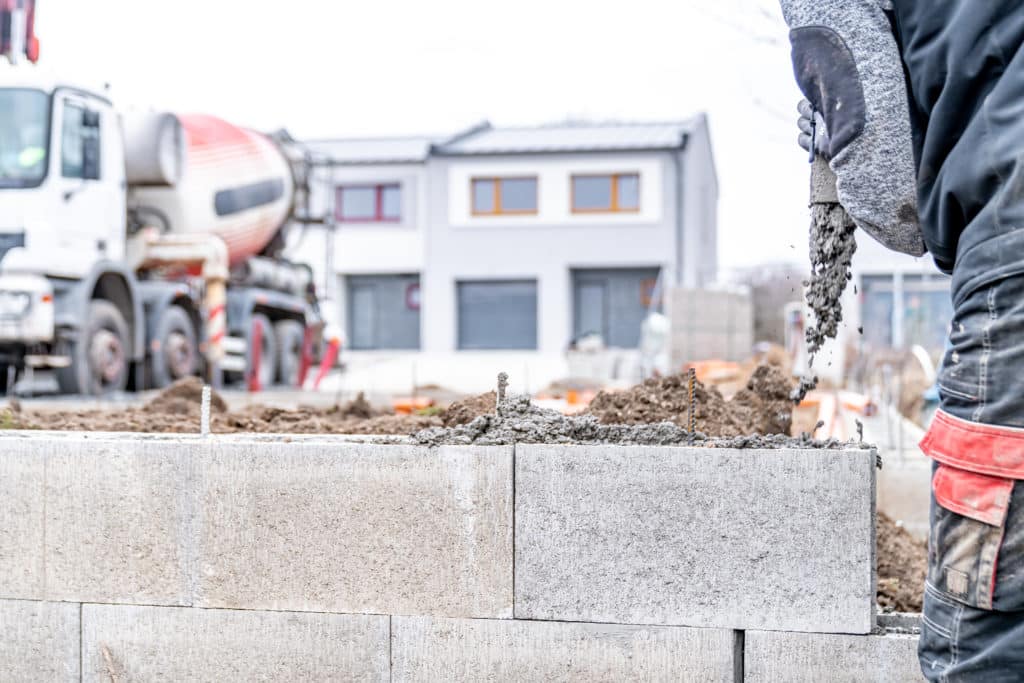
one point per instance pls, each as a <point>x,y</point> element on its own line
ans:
<point>183,394</point>
<point>358,407</point>
<point>761,408</point>
<point>309,420</point>
<point>902,565</point>
<point>177,409</point>
<point>465,411</point>
<point>767,399</point>
<point>255,419</point>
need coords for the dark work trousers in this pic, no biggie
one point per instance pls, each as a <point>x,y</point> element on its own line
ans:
<point>973,625</point>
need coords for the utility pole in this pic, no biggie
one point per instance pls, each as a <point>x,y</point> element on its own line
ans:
<point>18,26</point>
<point>331,226</point>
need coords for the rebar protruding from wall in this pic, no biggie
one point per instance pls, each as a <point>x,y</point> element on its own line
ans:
<point>692,421</point>
<point>204,412</point>
<point>502,386</point>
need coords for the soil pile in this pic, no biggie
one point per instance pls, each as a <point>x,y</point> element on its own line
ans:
<point>177,409</point>
<point>309,420</point>
<point>465,411</point>
<point>763,407</point>
<point>183,395</point>
<point>902,565</point>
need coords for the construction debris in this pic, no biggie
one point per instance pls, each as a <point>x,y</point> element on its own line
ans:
<point>177,409</point>
<point>466,410</point>
<point>761,408</point>
<point>902,565</point>
<point>518,420</point>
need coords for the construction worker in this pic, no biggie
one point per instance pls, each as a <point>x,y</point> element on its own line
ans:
<point>919,108</point>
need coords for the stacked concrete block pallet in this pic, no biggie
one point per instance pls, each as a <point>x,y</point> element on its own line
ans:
<point>134,558</point>
<point>710,325</point>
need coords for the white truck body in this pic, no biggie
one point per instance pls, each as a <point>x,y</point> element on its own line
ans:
<point>74,232</point>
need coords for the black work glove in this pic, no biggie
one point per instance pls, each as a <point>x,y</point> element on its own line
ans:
<point>812,131</point>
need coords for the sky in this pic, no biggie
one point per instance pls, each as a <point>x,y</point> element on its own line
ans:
<point>341,68</point>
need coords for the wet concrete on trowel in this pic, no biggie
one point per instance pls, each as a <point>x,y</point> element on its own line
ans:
<point>832,245</point>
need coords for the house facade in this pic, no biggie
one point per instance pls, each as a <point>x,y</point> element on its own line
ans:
<point>512,238</point>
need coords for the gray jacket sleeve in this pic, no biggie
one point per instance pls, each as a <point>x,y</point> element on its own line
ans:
<point>848,65</point>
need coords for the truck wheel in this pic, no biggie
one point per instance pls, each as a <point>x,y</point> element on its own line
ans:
<point>177,355</point>
<point>290,337</point>
<point>268,351</point>
<point>100,354</point>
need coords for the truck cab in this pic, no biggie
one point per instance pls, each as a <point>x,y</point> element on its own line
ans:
<point>140,249</point>
<point>62,228</point>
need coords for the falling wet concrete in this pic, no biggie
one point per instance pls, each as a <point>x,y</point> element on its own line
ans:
<point>832,245</point>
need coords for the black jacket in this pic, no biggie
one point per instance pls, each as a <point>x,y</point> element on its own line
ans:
<point>965,72</point>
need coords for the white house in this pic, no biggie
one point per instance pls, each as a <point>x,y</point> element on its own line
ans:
<point>902,301</point>
<point>512,238</point>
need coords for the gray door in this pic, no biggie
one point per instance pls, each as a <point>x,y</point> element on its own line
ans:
<point>384,311</point>
<point>613,302</point>
<point>363,323</point>
<point>591,309</point>
<point>498,315</point>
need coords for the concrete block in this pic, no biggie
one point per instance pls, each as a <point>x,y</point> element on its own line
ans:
<point>21,521</point>
<point>429,649</point>
<point>776,657</point>
<point>358,528</point>
<point>131,643</point>
<point>721,538</point>
<point>39,641</point>
<point>118,515</point>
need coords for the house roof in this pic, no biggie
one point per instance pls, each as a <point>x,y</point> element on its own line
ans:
<point>483,138</point>
<point>569,137</point>
<point>413,149</point>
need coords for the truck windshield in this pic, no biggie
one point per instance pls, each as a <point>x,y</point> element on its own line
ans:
<point>24,130</point>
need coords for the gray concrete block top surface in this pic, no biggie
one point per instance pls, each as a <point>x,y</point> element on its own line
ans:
<point>39,641</point>
<point>428,649</point>
<point>749,539</point>
<point>129,643</point>
<point>357,528</point>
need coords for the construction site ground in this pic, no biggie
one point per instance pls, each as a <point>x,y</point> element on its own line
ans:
<point>759,407</point>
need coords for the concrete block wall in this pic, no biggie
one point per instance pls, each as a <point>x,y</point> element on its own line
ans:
<point>40,641</point>
<point>700,537</point>
<point>710,324</point>
<point>324,558</point>
<point>127,642</point>
<point>428,649</point>
<point>814,657</point>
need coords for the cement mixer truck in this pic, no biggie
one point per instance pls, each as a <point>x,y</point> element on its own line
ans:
<point>140,248</point>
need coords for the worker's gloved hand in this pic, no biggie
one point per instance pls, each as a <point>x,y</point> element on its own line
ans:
<point>812,133</point>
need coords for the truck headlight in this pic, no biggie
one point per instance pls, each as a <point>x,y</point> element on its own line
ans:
<point>14,304</point>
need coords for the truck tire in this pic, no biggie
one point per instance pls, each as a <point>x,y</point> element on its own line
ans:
<point>268,352</point>
<point>100,356</point>
<point>177,354</point>
<point>290,337</point>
